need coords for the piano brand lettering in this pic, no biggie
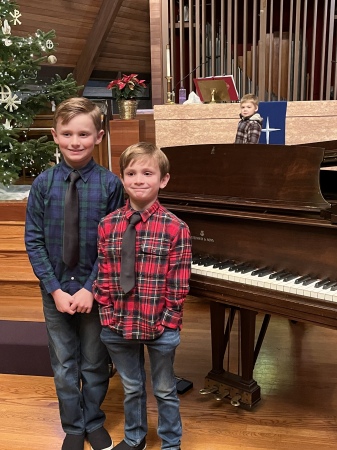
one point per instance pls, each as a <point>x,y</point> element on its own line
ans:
<point>202,238</point>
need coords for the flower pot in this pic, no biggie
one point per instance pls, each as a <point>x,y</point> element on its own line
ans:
<point>127,109</point>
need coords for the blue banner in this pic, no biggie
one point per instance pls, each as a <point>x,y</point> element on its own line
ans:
<point>274,122</point>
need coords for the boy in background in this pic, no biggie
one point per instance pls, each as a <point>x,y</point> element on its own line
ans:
<point>79,359</point>
<point>147,312</point>
<point>250,125</point>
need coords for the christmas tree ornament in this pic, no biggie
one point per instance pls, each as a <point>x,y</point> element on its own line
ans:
<point>7,125</point>
<point>5,94</point>
<point>52,59</point>
<point>6,29</point>
<point>16,14</point>
<point>12,102</point>
<point>49,44</point>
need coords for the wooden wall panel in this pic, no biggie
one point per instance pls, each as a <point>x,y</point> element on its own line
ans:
<point>126,49</point>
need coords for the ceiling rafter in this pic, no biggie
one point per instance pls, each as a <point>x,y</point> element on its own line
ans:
<point>95,41</point>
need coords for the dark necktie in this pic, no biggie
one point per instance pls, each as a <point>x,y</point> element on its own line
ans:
<point>70,233</point>
<point>128,254</point>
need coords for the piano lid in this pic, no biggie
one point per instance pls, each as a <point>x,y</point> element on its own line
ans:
<point>330,151</point>
<point>258,176</point>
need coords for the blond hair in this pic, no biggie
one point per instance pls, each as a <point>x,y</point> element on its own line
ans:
<point>143,150</point>
<point>74,106</point>
<point>250,98</point>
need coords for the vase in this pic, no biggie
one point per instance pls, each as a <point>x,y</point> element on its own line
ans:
<point>127,109</point>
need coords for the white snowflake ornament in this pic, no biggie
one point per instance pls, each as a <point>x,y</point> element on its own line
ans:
<point>12,103</point>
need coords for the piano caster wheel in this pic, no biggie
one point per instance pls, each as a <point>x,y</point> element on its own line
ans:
<point>236,400</point>
<point>207,391</point>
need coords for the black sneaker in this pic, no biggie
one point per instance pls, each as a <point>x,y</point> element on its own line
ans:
<point>100,439</point>
<point>124,446</point>
<point>73,442</point>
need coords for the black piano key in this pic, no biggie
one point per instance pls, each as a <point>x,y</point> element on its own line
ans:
<point>266,272</point>
<point>283,275</point>
<point>196,258</point>
<point>329,285</point>
<point>277,274</point>
<point>290,277</point>
<point>321,283</point>
<point>241,267</point>
<point>309,281</point>
<point>202,261</point>
<point>334,287</point>
<point>219,263</point>
<point>233,267</point>
<point>210,262</point>
<point>248,269</point>
<point>258,271</point>
<point>226,264</point>
<point>302,279</point>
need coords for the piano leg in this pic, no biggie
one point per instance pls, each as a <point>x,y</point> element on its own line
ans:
<point>262,334</point>
<point>218,340</point>
<point>241,386</point>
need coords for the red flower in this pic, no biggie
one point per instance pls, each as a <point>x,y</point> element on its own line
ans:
<point>126,87</point>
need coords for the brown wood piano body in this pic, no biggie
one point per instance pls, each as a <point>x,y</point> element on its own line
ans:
<point>258,204</point>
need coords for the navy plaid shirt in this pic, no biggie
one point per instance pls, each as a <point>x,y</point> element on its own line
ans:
<point>100,192</point>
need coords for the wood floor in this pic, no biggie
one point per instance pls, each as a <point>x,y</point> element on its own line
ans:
<point>297,372</point>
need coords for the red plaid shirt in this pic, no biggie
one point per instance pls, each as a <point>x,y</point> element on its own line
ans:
<point>163,267</point>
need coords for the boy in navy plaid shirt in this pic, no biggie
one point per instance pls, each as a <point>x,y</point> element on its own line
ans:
<point>79,359</point>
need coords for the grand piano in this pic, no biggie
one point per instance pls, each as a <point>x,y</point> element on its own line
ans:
<point>264,240</point>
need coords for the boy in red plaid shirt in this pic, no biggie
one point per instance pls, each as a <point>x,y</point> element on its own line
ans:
<point>150,314</point>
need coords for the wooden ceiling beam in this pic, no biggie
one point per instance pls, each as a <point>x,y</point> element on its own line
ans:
<point>96,39</point>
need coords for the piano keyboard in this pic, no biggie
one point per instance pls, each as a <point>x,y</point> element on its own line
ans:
<point>264,277</point>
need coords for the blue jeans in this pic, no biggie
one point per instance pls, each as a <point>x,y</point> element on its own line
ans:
<point>128,358</point>
<point>81,366</point>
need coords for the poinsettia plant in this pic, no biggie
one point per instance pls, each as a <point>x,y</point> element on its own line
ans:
<point>127,87</point>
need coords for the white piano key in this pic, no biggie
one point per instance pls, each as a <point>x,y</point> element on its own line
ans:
<point>331,296</point>
<point>266,282</point>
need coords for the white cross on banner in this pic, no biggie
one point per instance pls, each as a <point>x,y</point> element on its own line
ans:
<point>274,122</point>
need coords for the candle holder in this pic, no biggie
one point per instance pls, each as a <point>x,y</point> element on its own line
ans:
<point>169,100</point>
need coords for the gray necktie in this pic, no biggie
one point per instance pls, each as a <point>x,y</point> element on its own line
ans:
<point>70,233</point>
<point>128,254</point>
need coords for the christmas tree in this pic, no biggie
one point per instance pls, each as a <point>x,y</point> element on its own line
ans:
<point>23,95</point>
